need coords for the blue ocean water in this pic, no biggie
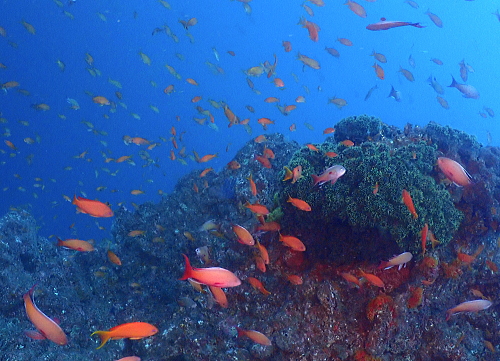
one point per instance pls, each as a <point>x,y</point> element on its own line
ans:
<point>115,33</point>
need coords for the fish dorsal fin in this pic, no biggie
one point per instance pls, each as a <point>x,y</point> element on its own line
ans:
<point>383,19</point>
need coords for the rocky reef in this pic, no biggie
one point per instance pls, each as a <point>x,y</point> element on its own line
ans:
<point>350,229</point>
<point>368,198</point>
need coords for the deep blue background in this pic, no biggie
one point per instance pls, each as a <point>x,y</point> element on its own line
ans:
<point>470,32</point>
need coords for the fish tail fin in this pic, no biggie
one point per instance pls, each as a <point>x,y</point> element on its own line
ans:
<point>453,82</point>
<point>59,242</point>
<point>74,199</point>
<point>383,264</point>
<point>188,271</point>
<point>417,25</point>
<point>241,332</point>
<point>315,179</point>
<point>103,335</point>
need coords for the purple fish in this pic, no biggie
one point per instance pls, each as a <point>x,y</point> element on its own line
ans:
<point>467,90</point>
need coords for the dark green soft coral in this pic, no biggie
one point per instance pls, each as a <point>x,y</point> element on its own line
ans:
<point>352,200</point>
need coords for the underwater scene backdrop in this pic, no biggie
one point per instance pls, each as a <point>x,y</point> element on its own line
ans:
<point>249,180</point>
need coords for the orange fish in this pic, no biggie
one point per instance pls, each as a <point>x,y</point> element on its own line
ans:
<point>264,161</point>
<point>265,122</point>
<point>289,108</point>
<point>278,83</point>
<point>244,237</point>
<point>379,71</point>
<point>10,144</point>
<point>191,81</point>
<point>328,130</point>
<point>205,172</point>
<point>91,207</point>
<point>331,154</point>
<point>257,208</point>
<point>101,100</point>
<point>253,186</point>
<point>261,138</point>
<point>135,233</point>
<point>311,27</point>
<point>234,165</point>
<point>409,203</point>
<point>268,153</point>
<point>293,127</point>
<point>371,278</point>
<point>76,244</point>
<point>132,330</point>
<point>255,336</point>
<point>263,253</point>
<point>287,46</point>
<point>211,276</point>
<point>136,192</point>
<point>351,278</point>
<point>468,259</point>
<point>123,158</point>
<point>256,284</point>
<point>219,296</point>
<point>259,263</point>
<point>113,258</point>
<point>269,226</point>
<point>300,204</point>
<point>138,141</point>
<point>47,329</point>
<point>206,158</point>
<point>293,242</point>
<point>312,147</point>
<point>347,143</point>
<point>294,279</point>
<point>169,89</point>
<point>271,100</point>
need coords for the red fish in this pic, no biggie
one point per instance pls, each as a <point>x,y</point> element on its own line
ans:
<point>46,327</point>
<point>469,306</point>
<point>91,207</point>
<point>76,244</point>
<point>384,24</point>
<point>454,171</point>
<point>210,276</point>
<point>331,175</point>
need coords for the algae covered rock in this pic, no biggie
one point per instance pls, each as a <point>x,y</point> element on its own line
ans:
<point>369,195</point>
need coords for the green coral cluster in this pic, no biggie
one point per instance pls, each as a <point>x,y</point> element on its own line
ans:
<point>352,199</point>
